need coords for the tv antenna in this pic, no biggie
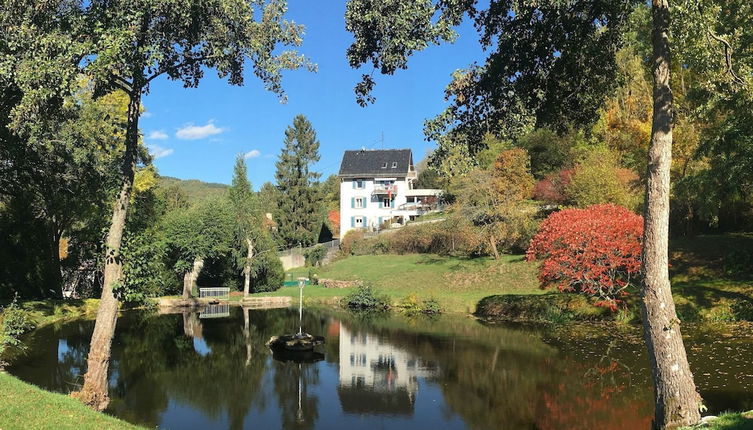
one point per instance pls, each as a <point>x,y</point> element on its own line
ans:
<point>381,140</point>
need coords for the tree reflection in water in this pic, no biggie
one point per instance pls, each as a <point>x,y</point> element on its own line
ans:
<point>182,371</point>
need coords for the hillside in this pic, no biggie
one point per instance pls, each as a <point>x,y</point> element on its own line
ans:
<point>194,189</point>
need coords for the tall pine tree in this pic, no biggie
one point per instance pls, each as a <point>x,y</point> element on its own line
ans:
<point>298,203</point>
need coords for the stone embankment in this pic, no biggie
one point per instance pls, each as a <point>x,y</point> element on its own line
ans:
<point>167,304</point>
<point>333,283</point>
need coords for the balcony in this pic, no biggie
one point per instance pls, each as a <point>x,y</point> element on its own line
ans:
<point>385,189</point>
<point>420,207</point>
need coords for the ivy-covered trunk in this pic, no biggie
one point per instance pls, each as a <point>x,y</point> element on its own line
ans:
<point>677,401</point>
<point>94,392</point>
<point>190,277</point>
<point>247,267</point>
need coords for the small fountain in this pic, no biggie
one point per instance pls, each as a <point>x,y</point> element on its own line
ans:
<point>299,343</point>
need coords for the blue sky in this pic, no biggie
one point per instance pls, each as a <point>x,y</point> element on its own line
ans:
<point>197,133</point>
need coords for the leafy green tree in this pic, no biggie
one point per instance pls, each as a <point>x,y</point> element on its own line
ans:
<point>57,179</point>
<point>298,213</point>
<point>555,61</point>
<point>597,178</point>
<point>255,251</point>
<point>248,222</point>
<point>134,43</point>
<point>428,175</point>
<point>205,231</point>
<point>330,193</point>
<point>550,151</point>
<point>267,197</point>
<point>557,80</point>
<point>493,200</point>
<point>713,41</point>
<point>493,146</point>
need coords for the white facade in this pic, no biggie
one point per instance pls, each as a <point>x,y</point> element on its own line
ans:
<point>376,186</point>
<point>366,361</point>
<point>368,202</point>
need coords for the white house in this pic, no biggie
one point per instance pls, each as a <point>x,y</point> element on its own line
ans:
<point>377,185</point>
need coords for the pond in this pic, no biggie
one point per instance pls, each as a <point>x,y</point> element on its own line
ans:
<point>213,370</point>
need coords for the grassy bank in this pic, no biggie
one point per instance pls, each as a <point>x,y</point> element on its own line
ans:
<point>712,278</point>
<point>712,282</point>
<point>728,421</point>
<point>456,283</point>
<point>24,406</point>
<point>44,312</point>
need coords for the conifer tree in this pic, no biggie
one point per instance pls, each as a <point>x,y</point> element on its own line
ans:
<point>298,201</point>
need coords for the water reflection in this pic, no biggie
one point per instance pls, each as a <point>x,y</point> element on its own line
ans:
<point>377,377</point>
<point>185,371</point>
<point>220,310</point>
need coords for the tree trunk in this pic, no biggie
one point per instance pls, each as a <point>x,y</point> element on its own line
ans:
<point>190,277</point>
<point>247,334</point>
<point>94,392</point>
<point>247,268</point>
<point>493,245</point>
<point>55,275</point>
<point>675,395</point>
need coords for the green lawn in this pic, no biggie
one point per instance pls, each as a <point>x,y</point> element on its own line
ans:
<point>712,277</point>
<point>729,421</point>
<point>457,283</point>
<point>24,406</point>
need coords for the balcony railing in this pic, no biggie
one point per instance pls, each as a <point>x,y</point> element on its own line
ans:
<point>420,207</point>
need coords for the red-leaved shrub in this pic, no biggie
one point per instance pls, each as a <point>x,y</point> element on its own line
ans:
<point>552,188</point>
<point>595,251</point>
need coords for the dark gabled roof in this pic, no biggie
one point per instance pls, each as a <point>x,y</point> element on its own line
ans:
<point>369,162</point>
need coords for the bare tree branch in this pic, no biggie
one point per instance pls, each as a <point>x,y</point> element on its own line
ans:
<point>727,57</point>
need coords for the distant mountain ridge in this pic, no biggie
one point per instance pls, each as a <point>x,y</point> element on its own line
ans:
<point>194,189</point>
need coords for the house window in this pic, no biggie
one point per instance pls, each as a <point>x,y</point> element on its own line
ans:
<point>359,184</point>
<point>386,202</point>
<point>359,203</point>
<point>359,222</point>
<point>384,166</point>
<point>394,164</point>
<point>411,199</point>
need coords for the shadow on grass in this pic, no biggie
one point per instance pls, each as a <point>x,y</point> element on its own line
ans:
<point>707,296</point>
<point>714,257</point>
<point>431,259</point>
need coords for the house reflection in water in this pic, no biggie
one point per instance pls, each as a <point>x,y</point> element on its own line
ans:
<point>376,377</point>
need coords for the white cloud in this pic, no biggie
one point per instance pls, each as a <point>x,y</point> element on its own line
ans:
<point>146,114</point>
<point>159,152</point>
<point>157,135</point>
<point>252,154</point>
<point>193,132</point>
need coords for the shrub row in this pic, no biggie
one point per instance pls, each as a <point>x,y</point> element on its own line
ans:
<point>566,307</point>
<point>557,307</point>
<point>365,298</point>
<point>447,237</point>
